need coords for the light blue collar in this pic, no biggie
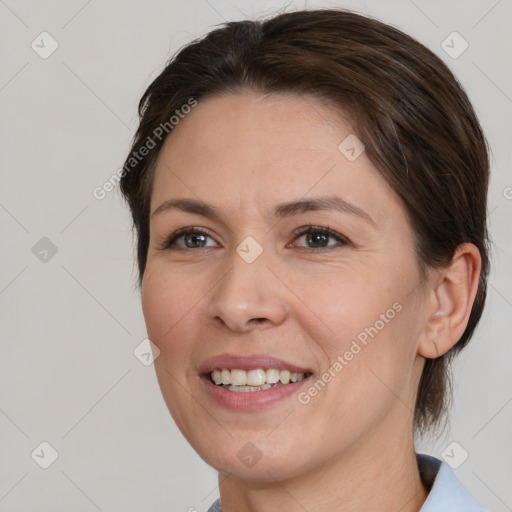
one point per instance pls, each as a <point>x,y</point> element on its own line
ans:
<point>446,493</point>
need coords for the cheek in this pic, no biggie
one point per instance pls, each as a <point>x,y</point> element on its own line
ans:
<point>350,306</point>
<point>166,305</point>
<point>168,309</point>
<point>373,330</point>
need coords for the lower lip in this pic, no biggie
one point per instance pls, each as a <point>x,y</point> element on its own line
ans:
<point>250,400</point>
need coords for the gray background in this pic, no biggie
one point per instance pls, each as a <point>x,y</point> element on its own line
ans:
<point>71,320</point>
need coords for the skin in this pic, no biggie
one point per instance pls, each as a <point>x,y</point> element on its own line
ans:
<point>351,447</point>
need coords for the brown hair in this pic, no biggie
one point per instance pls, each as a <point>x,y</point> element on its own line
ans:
<point>417,123</point>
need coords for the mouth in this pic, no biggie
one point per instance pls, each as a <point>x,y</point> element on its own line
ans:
<point>247,383</point>
<point>241,381</point>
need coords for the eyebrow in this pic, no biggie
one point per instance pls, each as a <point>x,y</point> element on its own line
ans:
<point>281,210</point>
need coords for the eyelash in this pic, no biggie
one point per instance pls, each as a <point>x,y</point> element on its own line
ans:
<point>171,240</point>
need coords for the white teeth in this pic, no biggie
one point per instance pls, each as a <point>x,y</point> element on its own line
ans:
<point>226,377</point>
<point>245,389</point>
<point>284,376</point>
<point>256,377</point>
<point>272,376</point>
<point>254,380</point>
<point>238,377</point>
<point>217,377</point>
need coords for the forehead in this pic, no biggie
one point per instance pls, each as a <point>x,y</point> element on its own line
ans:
<point>239,120</point>
<point>238,149</point>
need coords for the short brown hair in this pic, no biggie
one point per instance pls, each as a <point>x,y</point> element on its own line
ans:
<point>415,120</point>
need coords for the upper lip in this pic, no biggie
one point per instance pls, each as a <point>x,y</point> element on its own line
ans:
<point>248,362</point>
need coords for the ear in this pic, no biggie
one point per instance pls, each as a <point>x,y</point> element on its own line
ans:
<point>450,296</point>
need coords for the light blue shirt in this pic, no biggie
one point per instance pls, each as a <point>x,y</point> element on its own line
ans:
<point>446,493</point>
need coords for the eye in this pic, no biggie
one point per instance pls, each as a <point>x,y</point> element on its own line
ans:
<point>319,236</point>
<point>193,238</point>
<point>196,238</point>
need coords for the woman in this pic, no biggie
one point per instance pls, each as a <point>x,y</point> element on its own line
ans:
<point>312,252</point>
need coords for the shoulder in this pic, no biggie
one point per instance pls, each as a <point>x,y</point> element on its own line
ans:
<point>446,491</point>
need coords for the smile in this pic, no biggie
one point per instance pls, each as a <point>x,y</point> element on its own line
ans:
<point>251,382</point>
<point>254,380</point>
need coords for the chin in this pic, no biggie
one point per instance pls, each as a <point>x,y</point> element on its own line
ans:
<point>251,457</point>
<point>280,467</point>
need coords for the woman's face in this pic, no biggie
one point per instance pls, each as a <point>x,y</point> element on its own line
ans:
<point>256,296</point>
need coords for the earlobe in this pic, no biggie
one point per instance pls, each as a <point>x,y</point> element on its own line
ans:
<point>452,294</point>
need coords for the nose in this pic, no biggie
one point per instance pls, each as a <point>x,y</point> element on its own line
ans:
<point>248,295</point>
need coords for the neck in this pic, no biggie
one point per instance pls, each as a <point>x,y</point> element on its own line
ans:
<point>372,476</point>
